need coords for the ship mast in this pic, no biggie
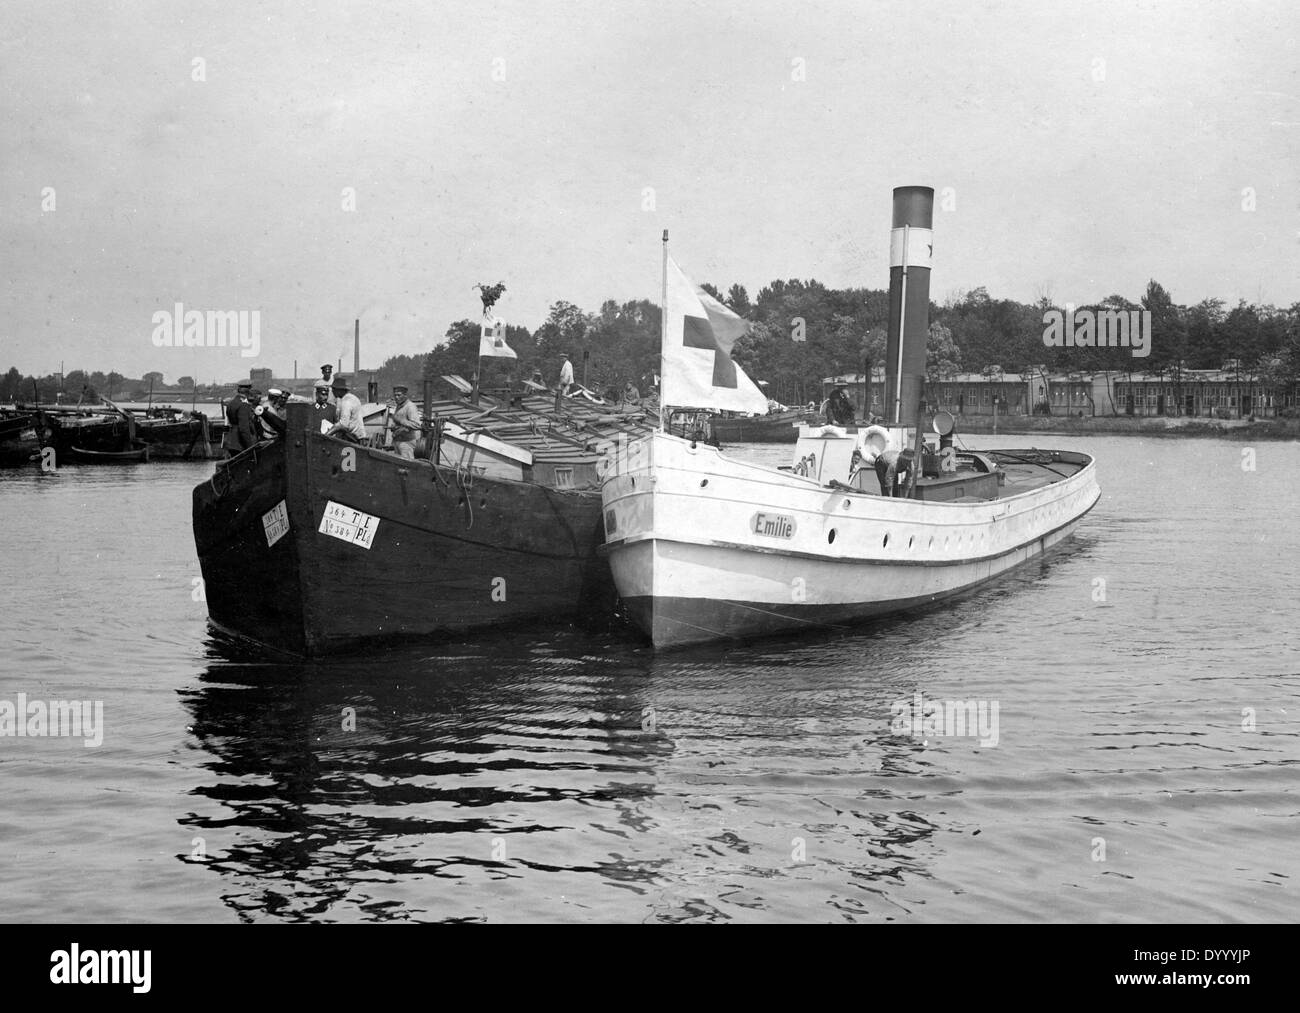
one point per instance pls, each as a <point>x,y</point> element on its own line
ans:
<point>663,339</point>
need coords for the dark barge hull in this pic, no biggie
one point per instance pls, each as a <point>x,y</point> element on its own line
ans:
<point>184,439</point>
<point>448,553</point>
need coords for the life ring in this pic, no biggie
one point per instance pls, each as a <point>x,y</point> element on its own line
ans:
<point>873,442</point>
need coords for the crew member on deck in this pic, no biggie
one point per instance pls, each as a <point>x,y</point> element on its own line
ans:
<point>325,374</point>
<point>241,433</point>
<point>630,394</point>
<point>839,409</point>
<point>405,420</point>
<point>350,424</point>
<point>271,415</point>
<point>566,381</point>
<point>324,408</point>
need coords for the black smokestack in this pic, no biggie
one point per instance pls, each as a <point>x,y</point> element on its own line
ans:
<point>910,247</point>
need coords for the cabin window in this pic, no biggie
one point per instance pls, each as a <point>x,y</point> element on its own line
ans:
<point>986,397</point>
<point>972,398</point>
<point>564,478</point>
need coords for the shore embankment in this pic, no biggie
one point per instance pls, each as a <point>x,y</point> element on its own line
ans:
<point>1123,425</point>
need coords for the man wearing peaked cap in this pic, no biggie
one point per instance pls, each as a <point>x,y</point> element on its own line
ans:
<point>241,431</point>
<point>323,407</point>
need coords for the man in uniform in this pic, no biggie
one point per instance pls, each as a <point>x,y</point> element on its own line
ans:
<point>325,373</point>
<point>323,408</point>
<point>349,424</point>
<point>405,420</point>
<point>264,429</point>
<point>241,432</point>
<point>271,415</point>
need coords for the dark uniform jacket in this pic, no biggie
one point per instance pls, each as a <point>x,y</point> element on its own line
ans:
<point>325,412</point>
<point>242,433</point>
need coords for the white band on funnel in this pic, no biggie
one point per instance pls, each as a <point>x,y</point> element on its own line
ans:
<point>920,247</point>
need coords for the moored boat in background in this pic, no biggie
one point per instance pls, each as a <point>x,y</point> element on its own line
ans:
<point>775,427</point>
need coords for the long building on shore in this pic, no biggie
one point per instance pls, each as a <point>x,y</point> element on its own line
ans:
<point>1192,393</point>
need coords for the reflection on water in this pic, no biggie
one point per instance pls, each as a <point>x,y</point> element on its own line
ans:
<point>436,783</point>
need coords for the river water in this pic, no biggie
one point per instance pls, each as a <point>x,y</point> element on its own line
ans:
<point>1146,676</point>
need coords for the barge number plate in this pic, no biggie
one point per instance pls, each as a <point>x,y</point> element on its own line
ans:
<point>350,525</point>
<point>276,523</point>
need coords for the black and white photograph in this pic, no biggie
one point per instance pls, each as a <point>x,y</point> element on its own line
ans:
<point>675,462</point>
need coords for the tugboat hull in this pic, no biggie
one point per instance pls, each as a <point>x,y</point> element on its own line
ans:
<point>706,548</point>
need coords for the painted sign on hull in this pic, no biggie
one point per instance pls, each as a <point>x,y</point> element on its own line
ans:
<point>346,524</point>
<point>773,525</point>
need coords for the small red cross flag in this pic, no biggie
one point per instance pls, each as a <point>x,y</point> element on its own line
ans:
<point>698,371</point>
<point>493,340</point>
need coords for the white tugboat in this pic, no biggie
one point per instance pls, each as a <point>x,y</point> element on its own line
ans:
<point>704,547</point>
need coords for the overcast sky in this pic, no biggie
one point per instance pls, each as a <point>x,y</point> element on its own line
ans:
<point>1088,148</point>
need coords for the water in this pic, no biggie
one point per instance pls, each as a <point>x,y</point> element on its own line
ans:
<point>577,776</point>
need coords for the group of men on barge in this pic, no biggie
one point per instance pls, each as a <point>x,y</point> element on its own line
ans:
<point>338,411</point>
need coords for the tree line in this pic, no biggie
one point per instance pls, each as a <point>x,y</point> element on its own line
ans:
<point>802,331</point>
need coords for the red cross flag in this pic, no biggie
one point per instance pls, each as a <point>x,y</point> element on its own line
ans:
<point>492,340</point>
<point>698,371</point>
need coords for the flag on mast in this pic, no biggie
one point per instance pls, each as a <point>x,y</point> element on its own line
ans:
<point>492,339</point>
<point>698,370</point>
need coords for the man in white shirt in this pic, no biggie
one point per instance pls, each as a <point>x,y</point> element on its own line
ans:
<point>350,425</point>
<point>566,380</point>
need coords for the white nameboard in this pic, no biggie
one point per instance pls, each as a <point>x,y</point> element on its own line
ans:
<point>350,525</point>
<point>276,523</point>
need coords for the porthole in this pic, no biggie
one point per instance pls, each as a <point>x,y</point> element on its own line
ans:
<point>884,542</point>
<point>830,538</point>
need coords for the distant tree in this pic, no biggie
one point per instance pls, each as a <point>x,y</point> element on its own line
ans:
<point>152,378</point>
<point>738,300</point>
<point>9,386</point>
<point>564,332</point>
<point>113,381</point>
<point>185,383</point>
<point>942,356</point>
<point>458,354</point>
